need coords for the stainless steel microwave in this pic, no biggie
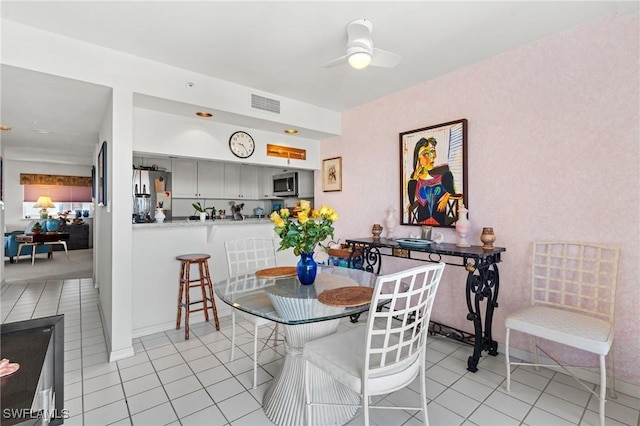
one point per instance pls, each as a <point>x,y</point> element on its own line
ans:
<point>285,184</point>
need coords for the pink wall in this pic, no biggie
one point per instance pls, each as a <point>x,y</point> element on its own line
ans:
<point>553,153</point>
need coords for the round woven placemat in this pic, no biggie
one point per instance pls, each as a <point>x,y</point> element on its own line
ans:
<point>346,296</point>
<point>276,272</point>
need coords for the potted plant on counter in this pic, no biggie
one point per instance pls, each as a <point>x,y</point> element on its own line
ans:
<point>203,211</point>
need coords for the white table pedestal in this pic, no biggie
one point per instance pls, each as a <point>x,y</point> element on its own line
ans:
<point>283,402</point>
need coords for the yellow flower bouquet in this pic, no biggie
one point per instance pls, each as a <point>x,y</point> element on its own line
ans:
<point>307,230</point>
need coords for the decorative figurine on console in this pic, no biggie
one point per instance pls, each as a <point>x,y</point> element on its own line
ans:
<point>462,226</point>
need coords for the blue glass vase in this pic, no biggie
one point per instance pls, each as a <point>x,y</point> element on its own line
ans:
<point>307,268</point>
<point>52,225</point>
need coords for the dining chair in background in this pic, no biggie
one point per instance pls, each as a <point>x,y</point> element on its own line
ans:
<point>247,255</point>
<point>573,293</point>
<point>385,354</point>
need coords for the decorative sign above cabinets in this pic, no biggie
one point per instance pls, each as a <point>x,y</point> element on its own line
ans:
<point>286,152</point>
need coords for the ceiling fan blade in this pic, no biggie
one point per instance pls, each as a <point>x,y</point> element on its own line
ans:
<point>337,61</point>
<point>384,58</point>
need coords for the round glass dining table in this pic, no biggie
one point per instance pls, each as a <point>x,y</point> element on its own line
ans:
<point>284,300</point>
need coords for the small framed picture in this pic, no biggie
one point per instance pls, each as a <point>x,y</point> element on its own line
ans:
<point>332,174</point>
<point>102,175</point>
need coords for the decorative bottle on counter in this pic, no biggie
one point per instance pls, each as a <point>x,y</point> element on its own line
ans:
<point>160,216</point>
<point>462,226</point>
<point>390,221</point>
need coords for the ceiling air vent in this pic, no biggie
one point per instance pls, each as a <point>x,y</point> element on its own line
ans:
<point>265,104</point>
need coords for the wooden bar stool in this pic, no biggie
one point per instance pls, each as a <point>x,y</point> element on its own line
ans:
<point>204,282</point>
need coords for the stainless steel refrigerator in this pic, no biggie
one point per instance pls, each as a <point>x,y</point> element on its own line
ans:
<point>151,189</point>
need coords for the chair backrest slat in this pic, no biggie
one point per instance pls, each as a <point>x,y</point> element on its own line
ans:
<point>247,255</point>
<point>397,336</point>
<point>581,277</point>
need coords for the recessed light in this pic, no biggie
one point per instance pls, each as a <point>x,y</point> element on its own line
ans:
<point>3,127</point>
<point>291,131</point>
<point>204,114</point>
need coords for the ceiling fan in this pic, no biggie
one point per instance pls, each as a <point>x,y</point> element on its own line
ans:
<point>360,50</point>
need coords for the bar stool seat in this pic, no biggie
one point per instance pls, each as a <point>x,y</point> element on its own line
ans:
<point>206,287</point>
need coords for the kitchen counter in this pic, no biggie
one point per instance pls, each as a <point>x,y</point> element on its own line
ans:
<point>155,268</point>
<point>218,222</point>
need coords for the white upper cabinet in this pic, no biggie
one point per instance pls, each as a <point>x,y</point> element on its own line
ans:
<point>210,179</point>
<point>267,182</point>
<point>233,181</point>
<point>184,177</point>
<point>305,184</point>
<point>241,181</point>
<point>197,179</point>
<point>249,182</point>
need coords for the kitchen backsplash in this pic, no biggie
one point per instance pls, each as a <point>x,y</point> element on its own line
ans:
<point>182,207</point>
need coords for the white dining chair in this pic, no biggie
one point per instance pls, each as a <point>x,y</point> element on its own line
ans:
<point>573,293</point>
<point>247,255</point>
<point>388,352</point>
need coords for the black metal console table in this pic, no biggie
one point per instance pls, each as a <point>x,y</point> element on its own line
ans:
<point>482,281</point>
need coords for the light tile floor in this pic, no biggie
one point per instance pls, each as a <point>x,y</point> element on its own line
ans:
<point>173,381</point>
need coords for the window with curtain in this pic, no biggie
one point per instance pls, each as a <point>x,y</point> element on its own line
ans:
<point>68,193</point>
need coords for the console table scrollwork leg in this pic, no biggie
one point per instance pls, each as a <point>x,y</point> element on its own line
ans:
<point>474,287</point>
<point>492,281</point>
<point>371,259</point>
<point>482,285</point>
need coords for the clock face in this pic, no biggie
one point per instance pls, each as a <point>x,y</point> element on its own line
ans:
<point>242,144</point>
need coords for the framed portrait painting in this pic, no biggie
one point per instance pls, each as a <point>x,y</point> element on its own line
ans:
<point>332,174</point>
<point>433,174</point>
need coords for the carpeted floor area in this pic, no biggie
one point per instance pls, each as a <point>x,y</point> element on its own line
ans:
<point>79,265</point>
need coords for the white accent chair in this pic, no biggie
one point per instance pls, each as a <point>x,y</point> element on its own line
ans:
<point>247,255</point>
<point>573,293</point>
<point>387,353</point>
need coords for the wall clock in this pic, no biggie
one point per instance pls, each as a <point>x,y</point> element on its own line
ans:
<point>242,144</point>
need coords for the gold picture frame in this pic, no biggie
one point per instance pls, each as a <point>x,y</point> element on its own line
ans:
<point>332,174</point>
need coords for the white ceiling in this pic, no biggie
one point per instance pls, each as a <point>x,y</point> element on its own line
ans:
<point>272,46</point>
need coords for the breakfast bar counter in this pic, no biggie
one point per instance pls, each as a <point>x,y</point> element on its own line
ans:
<point>155,268</point>
<point>218,222</point>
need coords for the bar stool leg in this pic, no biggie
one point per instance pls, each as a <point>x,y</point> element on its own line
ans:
<point>187,301</point>
<point>180,292</point>
<point>203,290</point>
<point>211,295</point>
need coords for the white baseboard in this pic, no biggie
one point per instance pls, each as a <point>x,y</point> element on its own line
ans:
<point>157,328</point>
<point>194,318</point>
<point>589,375</point>
<point>121,354</point>
<point>113,355</point>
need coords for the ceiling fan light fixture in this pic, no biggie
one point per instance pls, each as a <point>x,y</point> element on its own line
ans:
<point>360,60</point>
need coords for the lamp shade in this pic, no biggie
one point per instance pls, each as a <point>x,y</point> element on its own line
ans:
<point>44,203</point>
